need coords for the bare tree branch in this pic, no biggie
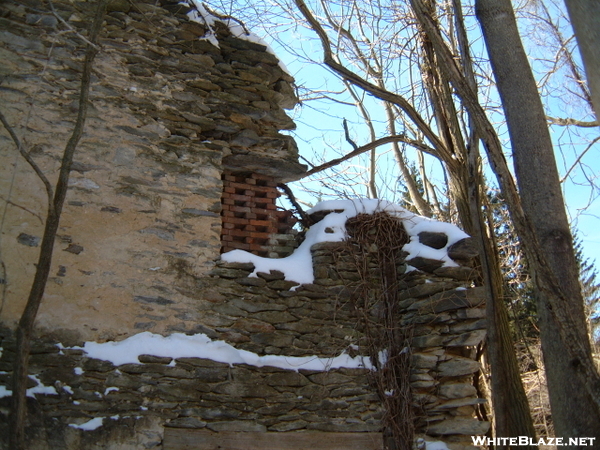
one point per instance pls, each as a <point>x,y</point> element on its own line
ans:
<point>29,159</point>
<point>581,155</point>
<point>366,148</point>
<point>566,122</point>
<point>373,89</point>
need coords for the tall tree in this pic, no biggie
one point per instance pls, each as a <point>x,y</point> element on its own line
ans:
<point>463,167</point>
<point>575,410</point>
<point>585,18</point>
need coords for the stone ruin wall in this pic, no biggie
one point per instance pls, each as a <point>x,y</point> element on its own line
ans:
<point>141,233</point>
<point>168,114</point>
<point>262,315</point>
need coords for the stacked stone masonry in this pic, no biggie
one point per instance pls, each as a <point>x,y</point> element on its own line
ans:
<point>262,315</point>
<point>169,113</point>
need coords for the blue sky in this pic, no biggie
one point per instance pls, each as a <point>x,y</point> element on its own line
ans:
<point>320,136</point>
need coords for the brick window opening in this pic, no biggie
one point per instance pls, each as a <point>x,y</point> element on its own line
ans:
<point>251,219</point>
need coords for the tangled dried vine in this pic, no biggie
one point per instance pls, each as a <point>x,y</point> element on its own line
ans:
<point>377,242</point>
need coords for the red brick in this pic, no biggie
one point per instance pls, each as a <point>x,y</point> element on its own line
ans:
<point>261,223</point>
<point>241,198</point>
<point>242,233</point>
<point>241,209</point>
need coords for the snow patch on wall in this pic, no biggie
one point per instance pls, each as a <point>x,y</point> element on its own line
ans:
<point>201,15</point>
<point>38,389</point>
<point>298,266</point>
<point>179,345</point>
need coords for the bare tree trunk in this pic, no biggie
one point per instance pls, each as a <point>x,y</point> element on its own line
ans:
<point>585,19</point>
<point>512,415</point>
<point>511,408</point>
<point>575,412</point>
<point>26,323</point>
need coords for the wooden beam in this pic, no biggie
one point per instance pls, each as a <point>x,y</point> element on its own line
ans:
<point>201,439</point>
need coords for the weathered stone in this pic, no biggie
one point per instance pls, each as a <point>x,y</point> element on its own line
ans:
<point>448,301</point>
<point>343,427</point>
<point>272,275</point>
<point>254,326</point>
<point>463,250</point>
<point>282,285</point>
<point>433,240</point>
<point>429,340</point>
<point>471,338</point>
<point>288,426</point>
<point>458,366</point>
<point>186,422</point>
<point>467,427</point>
<point>253,306</point>
<point>273,339</point>
<point>425,264</point>
<point>425,290</point>
<point>236,425</point>
<point>456,390</point>
<point>424,360</point>
<point>471,313</point>
<point>251,281</point>
<point>329,378</point>
<point>469,326</point>
<point>459,402</point>
<point>154,359</point>
<point>275,317</point>
<point>242,390</point>
<point>423,384</point>
<point>286,379</point>
<point>458,273</point>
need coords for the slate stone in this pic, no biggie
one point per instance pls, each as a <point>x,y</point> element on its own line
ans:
<point>457,390</point>
<point>28,240</point>
<point>463,250</point>
<point>467,427</point>
<point>448,301</point>
<point>236,425</point>
<point>461,273</point>
<point>251,281</point>
<point>424,360</point>
<point>289,426</point>
<point>469,339</point>
<point>425,264</point>
<point>458,366</point>
<point>459,403</point>
<point>432,239</point>
<point>186,422</point>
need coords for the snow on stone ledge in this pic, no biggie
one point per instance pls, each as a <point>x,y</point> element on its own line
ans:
<point>298,266</point>
<point>179,345</point>
<point>201,15</point>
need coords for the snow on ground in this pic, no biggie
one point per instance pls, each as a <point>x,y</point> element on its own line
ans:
<point>435,445</point>
<point>179,345</point>
<point>298,266</point>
